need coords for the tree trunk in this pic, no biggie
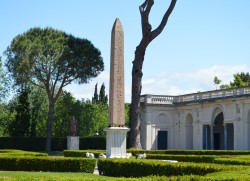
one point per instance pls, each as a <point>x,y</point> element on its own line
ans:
<point>136,92</point>
<point>49,125</point>
<point>147,36</point>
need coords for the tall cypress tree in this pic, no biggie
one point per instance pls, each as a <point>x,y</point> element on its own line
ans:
<point>95,98</point>
<point>102,97</point>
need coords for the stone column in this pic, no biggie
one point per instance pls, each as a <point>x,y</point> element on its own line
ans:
<point>225,136</point>
<point>212,136</point>
<point>205,134</point>
<point>116,132</point>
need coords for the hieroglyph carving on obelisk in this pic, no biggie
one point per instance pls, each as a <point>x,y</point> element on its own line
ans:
<point>116,87</point>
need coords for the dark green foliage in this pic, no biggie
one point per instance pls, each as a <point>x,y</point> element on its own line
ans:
<point>20,153</point>
<point>191,152</point>
<point>58,144</point>
<point>127,115</point>
<point>47,164</point>
<point>96,142</point>
<point>81,153</point>
<point>102,97</point>
<point>240,80</point>
<point>24,143</point>
<point>183,158</point>
<point>95,99</point>
<point>6,117</point>
<point>67,107</point>
<point>94,119</point>
<point>141,168</point>
<point>5,83</point>
<point>38,107</point>
<point>54,53</point>
<point>21,125</point>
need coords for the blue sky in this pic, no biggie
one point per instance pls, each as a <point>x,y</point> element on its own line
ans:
<point>202,39</point>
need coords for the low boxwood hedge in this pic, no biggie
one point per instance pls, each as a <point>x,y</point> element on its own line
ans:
<point>21,153</point>
<point>191,152</point>
<point>82,153</point>
<point>140,168</point>
<point>232,161</point>
<point>52,164</point>
<point>183,158</point>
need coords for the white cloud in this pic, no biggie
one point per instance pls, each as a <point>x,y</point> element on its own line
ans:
<point>166,83</point>
<point>176,83</point>
<point>86,91</point>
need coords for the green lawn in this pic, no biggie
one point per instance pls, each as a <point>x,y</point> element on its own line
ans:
<point>20,175</point>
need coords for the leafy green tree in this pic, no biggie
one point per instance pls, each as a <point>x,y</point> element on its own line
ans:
<point>127,114</point>
<point>38,107</point>
<point>66,107</point>
<point>52,59</point>
<point>240,80</point>
<point>4,82</point>
<point>217,81</point>
<point>93,119</point>
<point>6,118</point>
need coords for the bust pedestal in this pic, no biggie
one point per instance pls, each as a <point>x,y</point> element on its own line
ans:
<point>72,142</point>
<point>116,142</point>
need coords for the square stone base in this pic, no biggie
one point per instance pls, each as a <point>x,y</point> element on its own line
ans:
<point>116,142</point>
<point>72,142</point>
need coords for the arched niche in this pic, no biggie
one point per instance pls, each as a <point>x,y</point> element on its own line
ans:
<point>188,127</point>
<point>162,119</point>
<point>218,128</point>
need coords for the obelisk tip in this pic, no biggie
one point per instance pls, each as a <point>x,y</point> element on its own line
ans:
<point>117,25</point>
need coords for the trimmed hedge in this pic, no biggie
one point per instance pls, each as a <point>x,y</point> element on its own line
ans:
<point>82,153</point>
<point>190,152</point>
<point>183,158</point>
<point>232,161</point>
<point>141,168</point>
<point>57,144</point>
<point>21,153</point>
<point>10,163</point>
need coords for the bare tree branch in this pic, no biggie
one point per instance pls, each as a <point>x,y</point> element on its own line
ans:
<point>164,20</point>
<point>145,9</point>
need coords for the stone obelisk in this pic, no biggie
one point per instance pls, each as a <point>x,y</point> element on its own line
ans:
<point>116,132</point>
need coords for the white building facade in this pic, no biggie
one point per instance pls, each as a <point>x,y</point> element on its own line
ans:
<point>216,120</point>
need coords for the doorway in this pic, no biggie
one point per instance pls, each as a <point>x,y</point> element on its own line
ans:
<point>162,140</point>
<point>217,141</point>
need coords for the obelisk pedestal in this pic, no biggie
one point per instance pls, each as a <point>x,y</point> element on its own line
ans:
<point>116,132</point>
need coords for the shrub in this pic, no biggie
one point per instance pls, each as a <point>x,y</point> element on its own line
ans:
<point>140,168</point>
<point>47,164</point>
<point>96,142</point>
<point>191,152</point>
<point>183,158</point>
<point>21,153</point>
<point>81,153</point>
